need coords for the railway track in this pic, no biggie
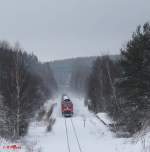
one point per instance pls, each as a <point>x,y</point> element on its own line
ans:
<point>73,143</point>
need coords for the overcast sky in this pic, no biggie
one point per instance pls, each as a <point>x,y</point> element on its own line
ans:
<point>57,29</point>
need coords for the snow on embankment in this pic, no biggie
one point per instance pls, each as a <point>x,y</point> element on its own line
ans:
<point>105,118</point>
<point>97,136</point>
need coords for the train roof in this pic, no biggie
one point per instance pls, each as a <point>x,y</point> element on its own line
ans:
<point>66,98</point>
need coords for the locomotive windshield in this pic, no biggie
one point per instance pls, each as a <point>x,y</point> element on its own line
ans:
<point>67,100</point>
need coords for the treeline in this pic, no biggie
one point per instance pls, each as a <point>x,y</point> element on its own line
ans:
<point>25,84</point>
<point>122,88</point>
<point>78,76</point>
<point>101,91</point>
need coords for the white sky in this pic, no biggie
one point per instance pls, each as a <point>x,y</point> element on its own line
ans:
<point>57,29</point>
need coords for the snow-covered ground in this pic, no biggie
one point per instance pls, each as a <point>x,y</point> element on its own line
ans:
<point>93,135</point>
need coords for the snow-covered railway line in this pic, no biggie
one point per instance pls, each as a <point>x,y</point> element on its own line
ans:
<point>72,139</point>
<point>67,136</point>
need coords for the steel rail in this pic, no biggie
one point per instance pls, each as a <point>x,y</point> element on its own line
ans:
<point>67,136</point>
<point>75,133</point>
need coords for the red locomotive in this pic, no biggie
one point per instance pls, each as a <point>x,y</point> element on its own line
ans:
<point>67,106</point>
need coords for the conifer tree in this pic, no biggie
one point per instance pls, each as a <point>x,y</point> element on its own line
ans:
<point>134,84</point>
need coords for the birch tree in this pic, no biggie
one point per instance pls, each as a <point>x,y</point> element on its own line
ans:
<point>22,88</point>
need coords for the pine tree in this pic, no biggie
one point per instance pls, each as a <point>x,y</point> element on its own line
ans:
<point>134,84</point>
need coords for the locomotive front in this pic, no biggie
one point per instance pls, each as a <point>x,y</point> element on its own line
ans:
<point>67,107</point>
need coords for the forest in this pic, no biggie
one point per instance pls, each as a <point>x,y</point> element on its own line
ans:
<point>121,88</point>
<point>117,85</point>
<point>25,84</point>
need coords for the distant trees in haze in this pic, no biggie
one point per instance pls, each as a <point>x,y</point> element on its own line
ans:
<point>49,83</point>
<point>79,75</point>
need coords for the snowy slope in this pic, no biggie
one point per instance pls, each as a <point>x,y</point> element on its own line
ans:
<point>93,135</point>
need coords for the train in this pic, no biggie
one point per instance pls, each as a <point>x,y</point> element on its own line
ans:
<point>66,106</point>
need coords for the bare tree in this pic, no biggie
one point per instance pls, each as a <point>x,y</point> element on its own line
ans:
<point>23,88</point>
